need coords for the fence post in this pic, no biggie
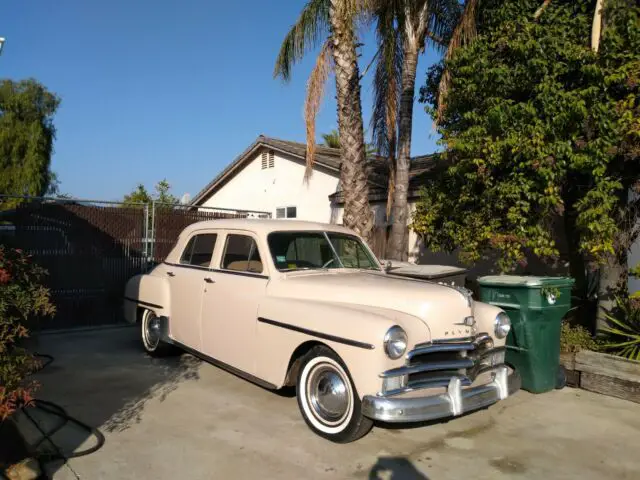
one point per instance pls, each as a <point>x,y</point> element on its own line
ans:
<point>153,228</point>
<point>146,238</point>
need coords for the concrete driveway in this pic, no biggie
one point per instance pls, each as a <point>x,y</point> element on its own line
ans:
<point>180,418</point>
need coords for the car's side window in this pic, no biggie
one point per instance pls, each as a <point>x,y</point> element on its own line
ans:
<point>199,250</point>
<point>241,254</point>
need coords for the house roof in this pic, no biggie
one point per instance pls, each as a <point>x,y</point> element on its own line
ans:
<point>324,157</point>
<point>421,169</point>
<point>329,158</point>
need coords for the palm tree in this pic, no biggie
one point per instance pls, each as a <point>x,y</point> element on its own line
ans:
<point>332,140</point>
<point>331,23</point>
<point>402,28</point>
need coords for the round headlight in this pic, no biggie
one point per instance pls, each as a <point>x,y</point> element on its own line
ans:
<point>502,325</point>
<point>395,342</point>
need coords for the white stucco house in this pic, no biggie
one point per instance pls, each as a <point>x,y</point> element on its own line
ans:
<point>269,176</point>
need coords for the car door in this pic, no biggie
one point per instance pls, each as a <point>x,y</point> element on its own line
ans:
<point>188,280</point>
<point>230,306</point>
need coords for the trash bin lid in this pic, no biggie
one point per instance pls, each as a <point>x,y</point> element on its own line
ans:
<point>525,281</point>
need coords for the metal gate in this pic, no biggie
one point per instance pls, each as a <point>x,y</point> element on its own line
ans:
<point>91,248</point>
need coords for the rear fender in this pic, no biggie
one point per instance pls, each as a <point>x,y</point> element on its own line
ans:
<point>146,291</point>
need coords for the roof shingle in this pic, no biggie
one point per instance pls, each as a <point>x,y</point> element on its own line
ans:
<point>378,174</point>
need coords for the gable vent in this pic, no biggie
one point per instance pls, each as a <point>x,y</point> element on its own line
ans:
<point>271,159</point>
<point>264,160</point>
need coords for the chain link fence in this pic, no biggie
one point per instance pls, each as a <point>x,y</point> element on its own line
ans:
<point>91,248</point>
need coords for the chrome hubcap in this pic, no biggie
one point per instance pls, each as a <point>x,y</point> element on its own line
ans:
<point>153,330</point>
<point>328,394</point>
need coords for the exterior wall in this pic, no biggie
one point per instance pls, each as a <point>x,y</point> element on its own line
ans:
<point>254,188</point>
<point>379,213</point>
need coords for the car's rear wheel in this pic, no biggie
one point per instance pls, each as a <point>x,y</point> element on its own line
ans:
<point>151,335</point>
<point>328,399</point>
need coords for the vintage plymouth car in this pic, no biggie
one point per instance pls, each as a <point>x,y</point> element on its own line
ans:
<point>290,303</point>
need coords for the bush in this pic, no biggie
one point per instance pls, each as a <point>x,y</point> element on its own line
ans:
<point>22,297</point>
<point>576,338</point>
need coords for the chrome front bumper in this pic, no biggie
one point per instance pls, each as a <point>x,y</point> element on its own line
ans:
<point>454,402</point>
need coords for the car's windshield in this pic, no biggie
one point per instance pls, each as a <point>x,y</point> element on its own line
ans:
<point>313,250</point>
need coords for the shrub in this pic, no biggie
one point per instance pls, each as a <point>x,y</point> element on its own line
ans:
<point>576,338</point>
<point>622,336</point>
<point>22,297</point>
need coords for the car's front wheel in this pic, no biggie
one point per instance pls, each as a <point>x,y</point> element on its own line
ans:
<point>328,399</point>
<point>150,334</point>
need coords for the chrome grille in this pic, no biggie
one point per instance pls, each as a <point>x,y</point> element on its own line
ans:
<point>434,364</point>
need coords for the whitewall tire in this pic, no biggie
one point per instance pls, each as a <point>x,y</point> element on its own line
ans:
<point>150,335</point>
<point>328,399</point>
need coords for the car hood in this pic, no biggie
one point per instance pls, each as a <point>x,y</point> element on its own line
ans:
<point>442,308</point>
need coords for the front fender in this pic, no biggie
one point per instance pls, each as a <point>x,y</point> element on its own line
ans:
<point>355,333</point>
<point>148,291</point>
<point>485,315</point>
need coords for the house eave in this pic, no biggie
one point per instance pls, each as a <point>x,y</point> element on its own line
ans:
<point>239,163</point>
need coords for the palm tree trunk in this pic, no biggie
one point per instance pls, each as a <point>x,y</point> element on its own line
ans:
<point>596,27</point>
<point>353,173</point>
<point>397,248</point>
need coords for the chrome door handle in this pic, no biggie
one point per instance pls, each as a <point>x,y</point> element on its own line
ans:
<point>171,274</point>
<point>209,280</point>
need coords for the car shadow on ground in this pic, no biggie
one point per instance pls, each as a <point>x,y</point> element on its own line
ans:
<point>102,378</point>
<point>395,468</point>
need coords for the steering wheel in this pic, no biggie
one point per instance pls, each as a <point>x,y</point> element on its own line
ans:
<point>329,262</point>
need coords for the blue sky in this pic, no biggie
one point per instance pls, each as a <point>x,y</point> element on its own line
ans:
<point>166,88</point>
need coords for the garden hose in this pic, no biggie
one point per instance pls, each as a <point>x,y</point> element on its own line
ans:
<point>56,410</point>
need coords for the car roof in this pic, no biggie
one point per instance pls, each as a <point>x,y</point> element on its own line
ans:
<point>265,226</point>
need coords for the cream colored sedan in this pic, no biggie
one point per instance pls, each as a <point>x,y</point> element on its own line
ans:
<point>289,303</point>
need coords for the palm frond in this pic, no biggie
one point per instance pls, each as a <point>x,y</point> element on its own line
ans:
<point>386,81</point>
<point>307,33</point>
<point>443,17</point>
<point>386,87</point>
<point>315,91</point>
<point>464,33</point>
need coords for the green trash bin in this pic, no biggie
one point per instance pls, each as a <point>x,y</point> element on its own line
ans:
<point>536,306</point>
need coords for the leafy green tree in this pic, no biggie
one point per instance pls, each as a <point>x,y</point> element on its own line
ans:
<point>27,134</point>
<point>137,196</point>
<point>540,128</point>
<point>466,30</point>
<point>141,195</point>
<point>331,24</point>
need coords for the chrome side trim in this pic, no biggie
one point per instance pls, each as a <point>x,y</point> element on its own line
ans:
<point>225,366</point>
<point>140,302</point>
<point>313,333</point>
<point>429,367</point>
